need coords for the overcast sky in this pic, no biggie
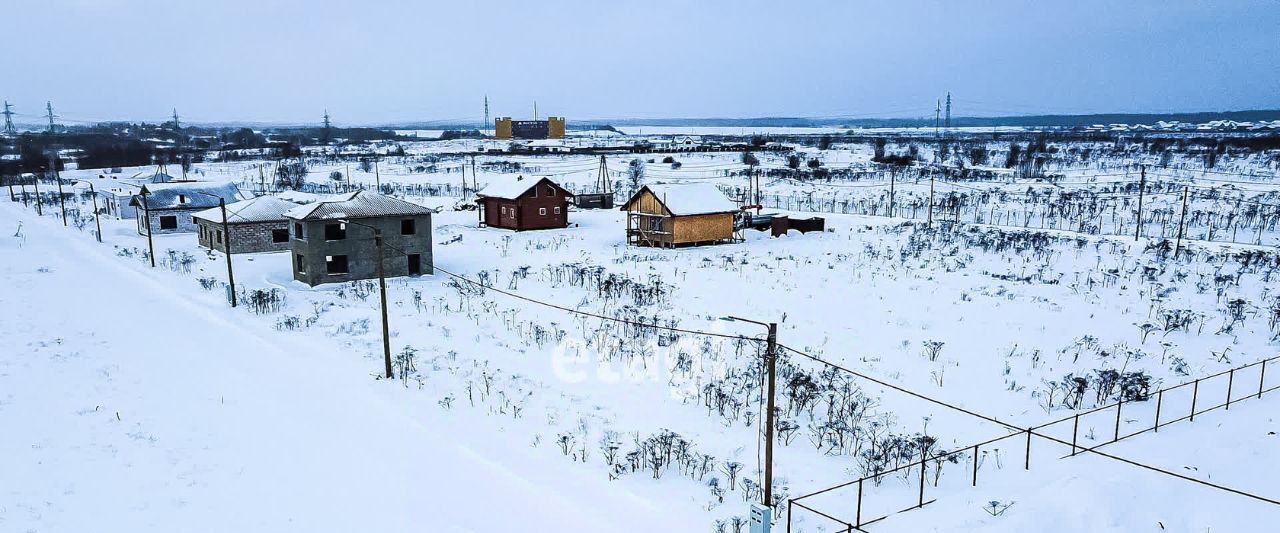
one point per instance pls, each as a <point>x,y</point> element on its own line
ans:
<point>378,61</point>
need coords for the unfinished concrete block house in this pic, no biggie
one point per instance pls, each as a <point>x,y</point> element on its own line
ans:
<point>168,207</point>
<point>332,240</point>
<point>524,204</point>
<point>256,225</point>
<point>680,215</point>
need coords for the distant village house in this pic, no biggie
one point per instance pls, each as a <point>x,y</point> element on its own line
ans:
<point>680,215</point>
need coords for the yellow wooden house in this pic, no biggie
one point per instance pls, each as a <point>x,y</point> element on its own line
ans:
<point>680,215</point>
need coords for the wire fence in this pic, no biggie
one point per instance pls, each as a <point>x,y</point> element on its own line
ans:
<point>1162,210</point>
<point>882,494</point>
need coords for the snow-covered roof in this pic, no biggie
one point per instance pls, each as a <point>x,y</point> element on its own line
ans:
<point>186,195</point>
<point>512,188</point>
<point>359,204</point>
<point>260,209</point>
<point>692,199</point>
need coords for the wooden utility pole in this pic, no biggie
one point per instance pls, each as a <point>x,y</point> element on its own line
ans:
<point>39,210</point>
<point>146,212</point>
<point>62,200</point>
<point>382,290</point>
<point>771,359</point>
<point>930,222</point>
<point>1142,186</point>
<point>1182,220</point>
<point>377,177</point>
<point>94,195</point>
<point>226,241</point>
<point>892,179</point>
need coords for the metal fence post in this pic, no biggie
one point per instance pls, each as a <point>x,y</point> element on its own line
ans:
<point>1075,430</point>
<point>1231,380</point>
<point>975,465</point>
<point>1027,466</point>
<point>858,515</point>
<point>1118,404</point>
<point>1195,391</point>
<point>1262,378</point>
<point>923,461</point>
<point>1159,400</point>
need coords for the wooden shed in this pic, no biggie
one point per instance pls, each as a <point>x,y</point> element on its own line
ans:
<point>524,204</point>
<point>680,215</point>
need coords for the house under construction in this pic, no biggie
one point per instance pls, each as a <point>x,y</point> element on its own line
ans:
<point>669,216</point>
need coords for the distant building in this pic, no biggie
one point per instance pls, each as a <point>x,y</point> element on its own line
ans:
<point>333,239</point>
<point>524,204</point>
<point>256,225</point>
<point>169,206</point>
<point>680,215</point>
<point>552,128</point>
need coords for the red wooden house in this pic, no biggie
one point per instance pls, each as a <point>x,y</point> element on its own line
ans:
<point>523,204</point>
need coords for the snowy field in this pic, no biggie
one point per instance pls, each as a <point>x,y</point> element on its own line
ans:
<point>534,416</point>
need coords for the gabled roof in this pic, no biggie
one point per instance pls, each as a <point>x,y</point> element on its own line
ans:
<point>690,199</point>
<point>260,209</point>
<point>512,188</point>
<point>186,195</point>
<point>359,204</point>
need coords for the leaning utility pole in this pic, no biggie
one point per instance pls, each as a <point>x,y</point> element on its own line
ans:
<point>892,178</point>
<point>94,195</point>
<point>8,120</point>
<point>1142,186</point>
<point>226,230</point>
<point>146,212</point>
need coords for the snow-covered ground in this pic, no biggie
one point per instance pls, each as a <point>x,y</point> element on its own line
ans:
<point>517,403</point>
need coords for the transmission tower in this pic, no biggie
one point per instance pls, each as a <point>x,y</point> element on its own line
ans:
<point>49,107</point>
<point>176,125</point>
<point>486,115</point>
<point>948,123</point>
<point>8,120</point>
<point>327,125</point>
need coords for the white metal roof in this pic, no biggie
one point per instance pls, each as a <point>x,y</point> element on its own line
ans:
<point>693,199</point>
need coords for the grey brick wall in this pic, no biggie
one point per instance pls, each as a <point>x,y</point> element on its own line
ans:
<point>246,238</point>
<point>360,249</point>
<point>182,217</point>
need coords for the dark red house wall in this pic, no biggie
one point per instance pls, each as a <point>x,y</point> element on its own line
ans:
<point>525,215</point>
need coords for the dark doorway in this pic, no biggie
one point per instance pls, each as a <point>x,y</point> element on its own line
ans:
<point>415,264</point>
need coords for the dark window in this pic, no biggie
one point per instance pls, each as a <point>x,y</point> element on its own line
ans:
<point>335,232</point>
<point>335,264</point>
<point>407,227</point>
<point>300,263</point>
<point>279,235</point>
<point>297,230</point>
<point>219,236</point>
<point>168,222</point>
<point>415,264</point>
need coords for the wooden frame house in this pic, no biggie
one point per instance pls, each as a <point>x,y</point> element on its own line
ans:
<point>524,204</point>
<point>668,216</point>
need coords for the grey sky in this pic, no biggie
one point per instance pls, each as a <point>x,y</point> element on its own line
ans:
<point>378,61</point>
